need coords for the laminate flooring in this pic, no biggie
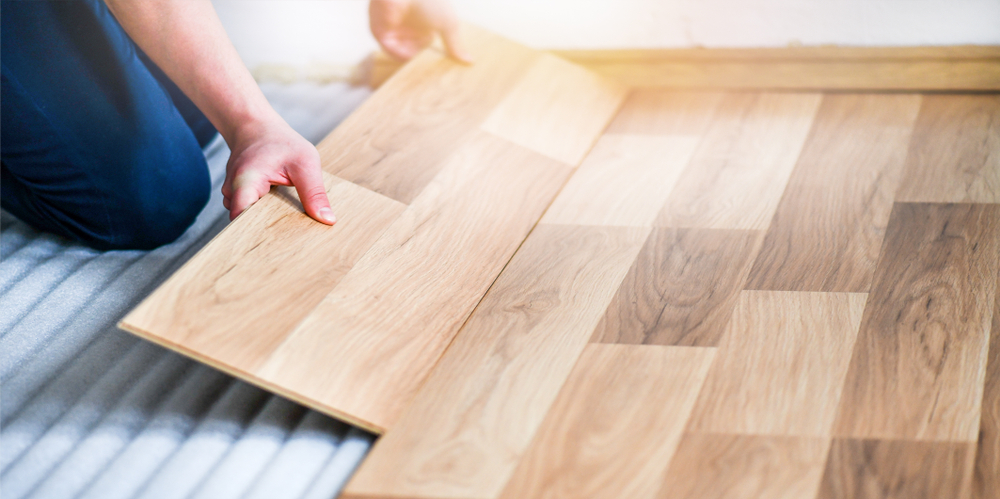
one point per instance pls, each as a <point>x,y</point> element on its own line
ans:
<point>544,285</point>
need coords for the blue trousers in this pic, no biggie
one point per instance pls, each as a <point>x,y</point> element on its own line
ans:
<point>97,144</point>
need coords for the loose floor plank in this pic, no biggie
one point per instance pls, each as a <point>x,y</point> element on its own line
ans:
<point>623,182</point>
<point>721,466</point>
<point>919,362</point>
<point>557,109</point>
<point>780,365</point>
<point>828,228</point>
<point>681,289</point>
<point>396,142</point>
<point>986,479</point>
<point>954,156</point>
<point>897,469</point>
<point>418,270</point>
<point>387,322</point>
<point>235,301</point>
<point>475,415</point>
<point>614,426</point>
<point>740,169</point>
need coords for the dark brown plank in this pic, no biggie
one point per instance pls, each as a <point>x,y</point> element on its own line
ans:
<point>918,363</point>
<point>954,156</point>
<point>681,289</point>
<point>986,480</point>
<point>884,469</point>
<point>828,228</point>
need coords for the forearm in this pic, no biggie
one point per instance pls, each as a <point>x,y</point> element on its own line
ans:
<point>187,41</point>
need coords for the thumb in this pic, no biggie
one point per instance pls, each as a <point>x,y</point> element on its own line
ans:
<point>309,184</point>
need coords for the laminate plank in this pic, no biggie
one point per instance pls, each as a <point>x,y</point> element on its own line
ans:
<point>387,322</point>
<point>986,477</point>
<point>742,164</point>
<point>828,228</point>
<point>614,426</point>
<point>475,415</point>
<point>886,469</point>
<point>954,156</point>
<point>781,364</point>
<point>235,301</point>
<point>681,289</point>
<point>720,466</point>
<point>623,182</point>
<point>557,109</point>
<point>399,138</point>
<point>659,112</point>
<point>919,362</point>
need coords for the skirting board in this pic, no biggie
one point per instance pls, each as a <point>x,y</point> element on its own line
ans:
<point>950,68</point>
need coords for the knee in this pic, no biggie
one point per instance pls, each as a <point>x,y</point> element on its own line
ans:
<point>157,215</point>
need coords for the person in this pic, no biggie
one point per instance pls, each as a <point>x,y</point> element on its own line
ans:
<point>106,107</point>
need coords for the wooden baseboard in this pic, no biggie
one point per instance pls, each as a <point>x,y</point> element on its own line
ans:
<point>952,68</point>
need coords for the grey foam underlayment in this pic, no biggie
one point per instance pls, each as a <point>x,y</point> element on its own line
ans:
<point>89,411</point>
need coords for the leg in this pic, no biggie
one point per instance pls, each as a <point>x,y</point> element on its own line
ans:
<point>94,147</point>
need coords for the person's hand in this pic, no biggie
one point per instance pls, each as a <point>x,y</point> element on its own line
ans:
<point>405,27</point>
<point>271,153</point>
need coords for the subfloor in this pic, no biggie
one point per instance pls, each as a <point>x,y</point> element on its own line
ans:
<point>91,411</point>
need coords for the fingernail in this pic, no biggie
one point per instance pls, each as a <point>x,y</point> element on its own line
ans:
<point>327,215</point>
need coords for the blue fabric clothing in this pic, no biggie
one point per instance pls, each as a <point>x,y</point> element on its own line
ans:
<point>97,144</point>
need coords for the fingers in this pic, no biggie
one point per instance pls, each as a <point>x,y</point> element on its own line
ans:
<point>454,44</point>
<point>308,183</point>
<point>247,189</point>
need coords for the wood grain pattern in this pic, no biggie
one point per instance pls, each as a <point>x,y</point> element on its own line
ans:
<point>889,469</point>
<point>828,228</point>
<point>387,322</point>
<point>681,289</point>
<point>986,478</point>
<point>919,362</point>
<point>623,182</point>
<point>475,415</point>
<point>615,425</point>
<point>557,109</point>
<point>955,153</point>
<point>235,301</point>
<point>740,169</point>
<point>398,139</point>
<point>781,364</point>
<point>719,466</point>
<point>659,112</point>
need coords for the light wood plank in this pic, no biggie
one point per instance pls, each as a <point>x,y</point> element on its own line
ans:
<point>740,169</point>
<point>659,112</point>
<point>781,364</point>
<point>887,469</point>
<point>623,182</point>
<point>399,138</point>
<point>615,425</point>
<point>919,362</point>
<point>681,289</point>
<point>555,110</point>
<point>475,415</point>
<point>955,153</point>
<point>235,301</point>
<point>986,478</point>
<point>387,322</point>
<point>722,466</point>
<point>828,228</point>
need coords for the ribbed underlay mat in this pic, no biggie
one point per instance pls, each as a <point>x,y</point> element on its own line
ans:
<point>89,411</point>
<point>435,180</point>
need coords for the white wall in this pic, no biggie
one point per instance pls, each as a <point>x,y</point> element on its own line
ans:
<point>323,37</point>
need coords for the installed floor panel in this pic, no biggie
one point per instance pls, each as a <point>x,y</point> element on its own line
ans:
<point>744,295</point>
<point>89,411</point>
